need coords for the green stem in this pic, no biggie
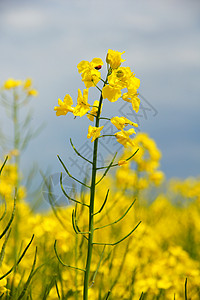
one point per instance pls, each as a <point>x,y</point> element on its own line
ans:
<point>76,264</point>
<point>91,208</point>
<point>91,223</point>
<point>16,141</point>
<point>16,132</point>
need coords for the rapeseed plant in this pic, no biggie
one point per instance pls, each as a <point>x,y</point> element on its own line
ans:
<point>97,257</point>
<point>13,95</point>
<point>118,78</point>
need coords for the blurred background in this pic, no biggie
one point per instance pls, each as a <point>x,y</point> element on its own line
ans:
<point>45,40</point>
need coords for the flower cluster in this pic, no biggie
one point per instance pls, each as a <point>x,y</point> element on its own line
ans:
<point>188,188</point>
<point>26,85</point>
<point>120,83</point>
<point>147,161</point>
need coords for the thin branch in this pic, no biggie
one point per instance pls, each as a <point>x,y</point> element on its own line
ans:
<point>95,273</point>
<point>186,289</point>
<point>91,115</point>
<point>57,290</point>
<point>51,199</point>
<point>78,153</point>
<point>70,174</point>
<point>104,135</point>
<point>116,221</point>
<point>107,295</point>
<point>141,296</point>
<point>5,210</point>
<point>12,216</point>
<point>102,204</point>
<point>64,192</point>
<point>108,211</point>
<point>97,86</point>
<point>3,164</point>
<point>59,259</point>
<point>30,134</point>
<point>29,277</point>
<point>116,165</point>
<point>132,155</point>
<point>104,118</point>
<point>120,269</point>
<point>103,81</point>
<point>73,223</point>
<point>4,246</point>
<point>76,223</point>
<point>108,168</point>
<point>24,252</point>
<point>113,244</point>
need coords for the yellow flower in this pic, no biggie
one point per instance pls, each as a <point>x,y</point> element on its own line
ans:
<point>122,162</point>
<point>32,92</point>
<point>121,122</point>
<point>112,93</point>
<point>142,183</point>
<point>123,137</point>
<point>28,83</point>
<point>119,79</point>
<point>94,110</point>
<point>82,105</point>
<point>94,132</point>
<point>114,59</point>
<point>157,177</point>
<point>65,106</point>
<point>12,83</point>
<point>3,290</point>
<point>28,87</point>
<point>132,97</point>
<point>124,78</point>
<point>133,83</point>
<point>90,74</point>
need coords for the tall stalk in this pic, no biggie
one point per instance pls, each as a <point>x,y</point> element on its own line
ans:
<point>14,95</point>
<point>91,208</point>
<point>16,140</point>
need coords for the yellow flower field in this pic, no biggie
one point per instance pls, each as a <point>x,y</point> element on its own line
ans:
<point>162,252</point>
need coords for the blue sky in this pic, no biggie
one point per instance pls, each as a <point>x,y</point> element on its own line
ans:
<point>45,40</point>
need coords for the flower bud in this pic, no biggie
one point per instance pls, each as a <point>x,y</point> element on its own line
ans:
<point>122,162</point>
<point>107,60</point>
<point>114,59</point>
